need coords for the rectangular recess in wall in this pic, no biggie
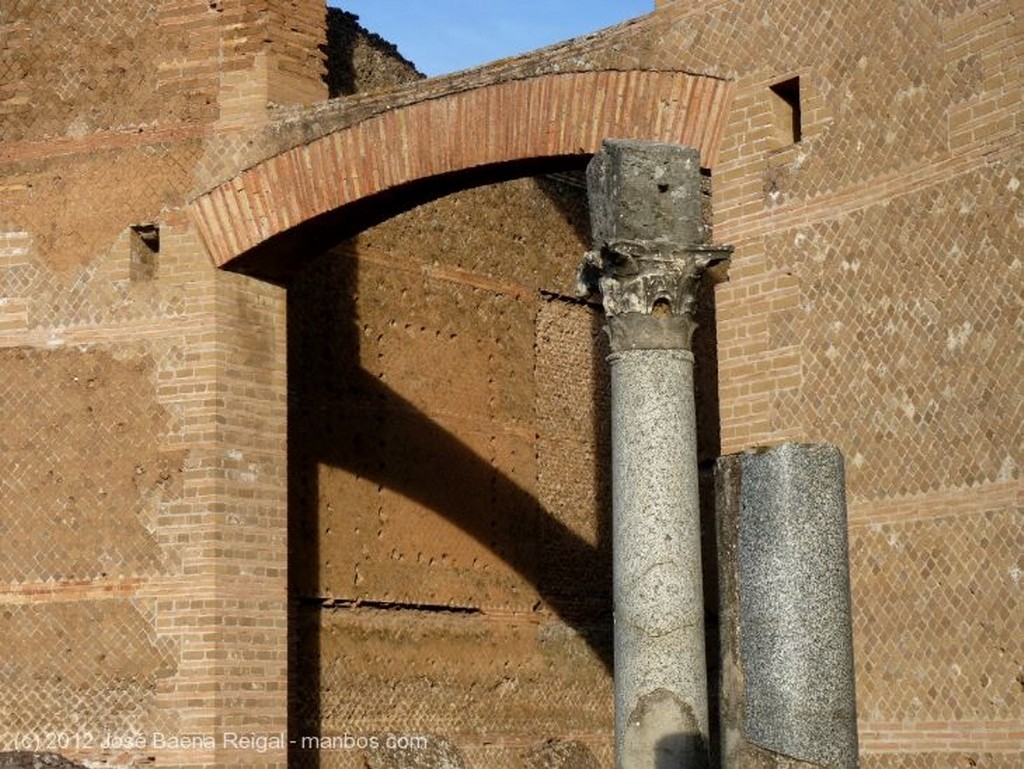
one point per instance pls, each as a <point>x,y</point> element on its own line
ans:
<point>785,106</point>
<point>145,248</point>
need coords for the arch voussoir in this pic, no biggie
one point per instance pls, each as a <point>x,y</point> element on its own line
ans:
<point>547,116</point>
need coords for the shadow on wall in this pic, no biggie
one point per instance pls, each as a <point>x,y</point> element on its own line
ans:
<point>709,448</point>
<point>344,417</point>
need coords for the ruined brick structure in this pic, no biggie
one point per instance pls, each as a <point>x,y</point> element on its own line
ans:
<point>427,552</point>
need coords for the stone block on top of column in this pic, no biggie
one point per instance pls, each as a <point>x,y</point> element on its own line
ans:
<point>649,242</point>
<point>645,191</point>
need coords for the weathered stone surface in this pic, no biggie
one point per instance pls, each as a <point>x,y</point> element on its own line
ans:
<point>659,612</point>
<point>666,722</point>
<point>26,760</point>
<point>788,679</point>
<point>649,290</point>
<point>645,191</point>
<point>647,228</point>
<point>559,754</point>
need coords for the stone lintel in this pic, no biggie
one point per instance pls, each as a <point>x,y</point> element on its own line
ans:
<point>645,191</point>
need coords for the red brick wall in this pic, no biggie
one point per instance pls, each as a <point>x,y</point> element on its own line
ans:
<point>874,301</point>
<point>143,444</point>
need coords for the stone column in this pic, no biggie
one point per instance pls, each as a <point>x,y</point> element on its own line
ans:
<point>648,231</point>
<point>787,688</point>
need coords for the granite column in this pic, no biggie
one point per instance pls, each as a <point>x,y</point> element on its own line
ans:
<point>649,256</point>
<point>788,693</point>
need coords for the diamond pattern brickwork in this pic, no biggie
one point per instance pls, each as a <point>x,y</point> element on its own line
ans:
<point>499,689</point>
<point>107,387</point>
<point>937,624</point>
<point>69,68</point>
<point>91,295</point>
<point>77,206</point>
<point>964,759</point>
<point>910,328</point>
<point>931,72</point>
<point>884,103</point>
<point>63,518</point>
<point>82,669</point>
<point>574,449</point>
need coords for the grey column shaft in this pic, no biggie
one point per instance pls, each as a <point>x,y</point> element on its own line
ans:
<point>661,708</point>
<point>648,260</point>
<point>787,691</point>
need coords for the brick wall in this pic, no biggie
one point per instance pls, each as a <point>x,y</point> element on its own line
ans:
<point>447,582</point>
<point>446,489</point>
<point>874,302</point>
<point>142,453</point>
<point>360,61</point>
<point>133,587</point>
<point>871,303</point>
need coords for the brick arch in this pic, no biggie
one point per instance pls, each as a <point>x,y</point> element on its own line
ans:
<point>547,116</point>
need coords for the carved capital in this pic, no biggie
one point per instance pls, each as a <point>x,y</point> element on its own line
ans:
<point>649,290</point>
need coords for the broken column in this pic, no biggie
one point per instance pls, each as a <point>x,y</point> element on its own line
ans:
<point>648,259</point>
<point>787,688</point>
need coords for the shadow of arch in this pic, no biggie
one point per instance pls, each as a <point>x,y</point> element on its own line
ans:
<point>270,219</point>
<point>344,417</point>
<point>437,469</point>
<point>440,472</point>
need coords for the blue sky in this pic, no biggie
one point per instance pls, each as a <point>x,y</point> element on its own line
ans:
<point>440,36</point>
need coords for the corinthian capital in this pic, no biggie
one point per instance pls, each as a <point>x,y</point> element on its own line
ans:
<point>649,290</point>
